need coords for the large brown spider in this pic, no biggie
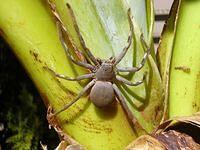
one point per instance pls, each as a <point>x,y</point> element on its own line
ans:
<point>104,73</point>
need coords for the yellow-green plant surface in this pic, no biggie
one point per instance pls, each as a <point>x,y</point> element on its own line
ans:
<point>165,50</point>
<point>108,31</point>
<point>28,26</point>
<point>179,57</point>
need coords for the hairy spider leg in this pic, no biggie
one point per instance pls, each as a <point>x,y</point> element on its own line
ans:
<point>122,100</point>
<point>83,91</point>
<point>129,41</point>
<point>79,63</point>
<point>88,52</point>
<point>146,54</point>
<point>81,77</point>
<point>125,81</point>
<point>123,103</point>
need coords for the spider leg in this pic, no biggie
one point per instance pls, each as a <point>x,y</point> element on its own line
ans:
<point>87,87</point>
<point>85,76</point>
<point>122,100</point>
<point>124,105</point>
<point>146,54</point>
<point>125,81</point>
<point>128,69</point>
<point>82,64</point>
<point>90,55</point>
<point>129,41</point>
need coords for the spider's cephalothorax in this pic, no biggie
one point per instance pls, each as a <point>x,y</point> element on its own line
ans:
<point>106,71</point>
<point>103,73</point>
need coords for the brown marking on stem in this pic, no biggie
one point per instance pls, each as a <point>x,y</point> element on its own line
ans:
<point>80,56</point>
<point>69,139</point>
<point>45,99</point>
<point>36,56</point>
<point>196,106</point>
<point>2,33</point>
<point>196,103</point>
<point>183,68</point>
<point>158,112</point>
<point>92,126</point>
<point>52,120</point>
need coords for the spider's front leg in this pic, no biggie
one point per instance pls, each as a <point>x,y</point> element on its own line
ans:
<point>88,52</point>
<point>61,30</point>
<point>129,41</point>
<point>141,65</point>
<point>82,77</point>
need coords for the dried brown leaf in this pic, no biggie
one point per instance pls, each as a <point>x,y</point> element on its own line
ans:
<point>193,120</point>
<point>43,146</point>
<point>180,133</point>
<point>67,143</point>
<point>173,140</point>
<point>145,142</point>
<point>63,145</point>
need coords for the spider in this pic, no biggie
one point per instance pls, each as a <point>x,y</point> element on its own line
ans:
<point>104,74</point>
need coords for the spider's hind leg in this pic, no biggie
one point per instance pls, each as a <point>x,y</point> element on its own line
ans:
<point>83,91</point>
<point>123,102</point>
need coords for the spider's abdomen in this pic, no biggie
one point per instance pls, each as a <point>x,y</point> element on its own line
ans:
<point>102,94</point>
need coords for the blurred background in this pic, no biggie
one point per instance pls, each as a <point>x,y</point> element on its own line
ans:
<point>22,113</point>
<point>162,8</point>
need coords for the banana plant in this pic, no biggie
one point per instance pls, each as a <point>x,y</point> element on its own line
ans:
<point>30,29</point>
<point>178,57</point>
<point>178,62</point>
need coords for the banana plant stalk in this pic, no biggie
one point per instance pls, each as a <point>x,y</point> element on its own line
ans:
<point>178,60</point>
<point>178,57</point>
<point>30,29</point>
